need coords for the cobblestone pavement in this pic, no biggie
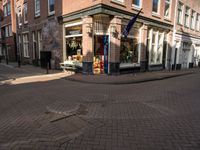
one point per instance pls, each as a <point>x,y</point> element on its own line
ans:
<point>66,115</point>
<point>12,71</point>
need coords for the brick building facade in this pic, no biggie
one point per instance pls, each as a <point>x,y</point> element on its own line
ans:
<point>89,33</point>
<point>8,48</point>
<point>102,22</point>
<point>186,37</point>
<point>38,30</point>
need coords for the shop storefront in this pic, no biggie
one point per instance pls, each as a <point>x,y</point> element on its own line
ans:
<point>100,46</point>
<point>96,44</point>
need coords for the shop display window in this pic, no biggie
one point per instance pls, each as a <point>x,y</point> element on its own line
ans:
<point>74,48</point>
<point>130,46</point>
<point>73,36</point>
<point>129,50</point>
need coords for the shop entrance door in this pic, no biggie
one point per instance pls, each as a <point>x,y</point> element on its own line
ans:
<point>101,49</point>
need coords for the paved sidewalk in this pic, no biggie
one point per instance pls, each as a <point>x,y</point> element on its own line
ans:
<point>11,74</point>
<point>130,78</point>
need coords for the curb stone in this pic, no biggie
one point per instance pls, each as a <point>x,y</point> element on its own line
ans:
<point>131,81</point>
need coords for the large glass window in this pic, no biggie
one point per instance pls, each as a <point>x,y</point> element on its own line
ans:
<point>167,8</point>
<point>159,48</point>
<point>73,36</point>
<point>130,47</point>
<point>187,15</point>
<point>74,48</point>
<point>129,50</point>
<point>180,13</point>
<point>155,7</point>
<point>25,45</point>
<point>153,48</point>
<point>156,47</point>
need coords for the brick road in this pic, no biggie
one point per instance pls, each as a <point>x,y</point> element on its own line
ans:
<point>66,115</point>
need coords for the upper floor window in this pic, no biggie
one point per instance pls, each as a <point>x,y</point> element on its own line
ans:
<point>51,7</point>
<point>192,20</point>
<point>187,15</point>
<point>155,7</point>
<point>8,30</point>
<point>137,3</point>
<point>5,10</point>
<point>120,1</point>
<point>167,8</point>
<point>25,13</point>
<point>8,8</point>
<point>19,16</point>
<point>180,13</point>
<point>37,8</point>
<point>198,22</point>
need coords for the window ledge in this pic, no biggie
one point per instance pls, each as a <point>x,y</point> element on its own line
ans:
<point>156,15</point>
<point>187,27</point>
<point>51,13</point>
<point>118,3</point>
<point>180,24</point>
<point>135,7</point>
<point>167,19</point>
<point>37,16</point>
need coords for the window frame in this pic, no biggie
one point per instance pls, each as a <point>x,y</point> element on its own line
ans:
<point>50,13</point>
<point>37,12</point>
<point>136,6</point>
<point>8,6</point>
<point>26,45</point>
<point>187,14</point>
<point>180,19</point>
<point>197,23</point>
<point>192,20</point>
<point>158,12</point>
<point>157,46</point>
<point>19,15</point>
<point>25,10</point>
<point>10,30</point>
<point>5,14</point>
<point>170,6</point>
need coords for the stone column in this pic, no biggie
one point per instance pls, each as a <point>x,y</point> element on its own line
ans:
<point>115,42</point>
<point>87,44</point>
<point>144,48</point>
